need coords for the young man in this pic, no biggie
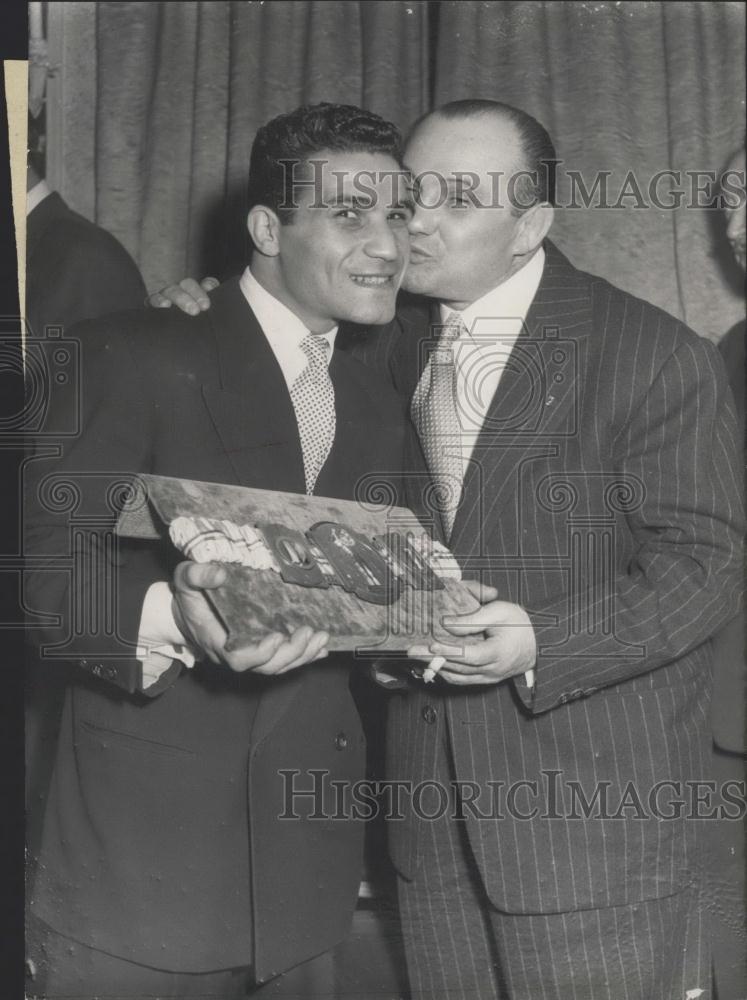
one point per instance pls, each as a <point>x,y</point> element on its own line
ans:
<point>584,444</point>
<point>163,867</point>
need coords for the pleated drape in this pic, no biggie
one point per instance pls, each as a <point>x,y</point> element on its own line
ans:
<point>178,91</point>
<point>633,89</point>
<point>162,101</point>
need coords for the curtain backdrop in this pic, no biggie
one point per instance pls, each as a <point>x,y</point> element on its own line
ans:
<point>179,90</point>
<point>631,87</point>
<point>162,101</point>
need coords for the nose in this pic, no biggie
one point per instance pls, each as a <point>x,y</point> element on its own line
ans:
<point>423,221</point>
<point>381,242</point>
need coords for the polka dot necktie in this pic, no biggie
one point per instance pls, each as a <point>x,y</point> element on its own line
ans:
<point>313,398</point>
<point>435,414</point>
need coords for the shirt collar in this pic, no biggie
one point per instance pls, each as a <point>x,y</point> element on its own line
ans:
<point>283,329</point>
<point>509,300</point>
<point>36,195</point>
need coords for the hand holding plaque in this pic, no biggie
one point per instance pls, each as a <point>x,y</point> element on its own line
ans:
<point>366,574</point>
<point>196,620</point>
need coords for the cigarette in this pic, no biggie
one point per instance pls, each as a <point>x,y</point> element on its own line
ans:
<point>429,674</point>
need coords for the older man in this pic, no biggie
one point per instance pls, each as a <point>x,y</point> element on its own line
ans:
<point>599,495</point>
<point>583,446</point>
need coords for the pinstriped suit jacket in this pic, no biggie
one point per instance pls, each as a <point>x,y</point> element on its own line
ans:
<point>604,497</point>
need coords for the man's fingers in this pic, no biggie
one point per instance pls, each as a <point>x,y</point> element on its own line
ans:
<point>199,576</point>
<point>194,293</point>
<point>464,626</point>
<point>478,655</point>
<point>315,649</point>
<point>294,651</point>
<point>450,651</point>
<point>494,615</point>
<point>480,591</point>
<point>457,679</point>
<point>189,295</point>
<point>489,615</point>
<point>164,298</point>
<point>302,646</point>
<point>460,667</point>
<point>255,656</point>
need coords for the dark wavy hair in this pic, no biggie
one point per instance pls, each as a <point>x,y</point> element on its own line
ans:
<point>299,135</point>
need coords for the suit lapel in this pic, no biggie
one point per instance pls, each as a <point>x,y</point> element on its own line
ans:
<point>535,404</point>
<point>419,333</point>
<point>253,415</point>
<point>250,406</point>
<point>47,213</point>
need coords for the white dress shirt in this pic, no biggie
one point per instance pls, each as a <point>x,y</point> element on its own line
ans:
<point>492,326</point>
<point>159,639</point>
<point>282,328</point>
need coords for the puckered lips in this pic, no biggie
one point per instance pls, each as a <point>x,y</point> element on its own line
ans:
<point>417,254</point>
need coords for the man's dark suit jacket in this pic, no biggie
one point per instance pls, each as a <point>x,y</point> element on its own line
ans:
<point>75,270</point>
<point>603,497</point>
<point>161,841</point>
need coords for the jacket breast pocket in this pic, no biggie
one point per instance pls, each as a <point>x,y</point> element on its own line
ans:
<point>131,743</point>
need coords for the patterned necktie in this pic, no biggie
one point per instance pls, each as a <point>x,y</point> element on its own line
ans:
<point>313,398</point>
<point>435,414</point>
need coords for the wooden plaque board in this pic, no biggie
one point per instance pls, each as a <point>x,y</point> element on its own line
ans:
<point>255,602</point>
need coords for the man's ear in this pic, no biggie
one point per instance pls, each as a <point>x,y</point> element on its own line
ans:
<point>532,227</point>
<point>264,229</point>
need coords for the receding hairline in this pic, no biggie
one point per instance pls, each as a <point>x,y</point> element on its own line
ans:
<point>449,112</point>
<point>518,160</point>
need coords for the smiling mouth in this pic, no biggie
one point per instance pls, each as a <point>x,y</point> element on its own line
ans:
<point>372,280</point>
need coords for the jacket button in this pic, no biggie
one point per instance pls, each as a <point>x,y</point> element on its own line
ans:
<point>429,714</point>
<point>341,741</point>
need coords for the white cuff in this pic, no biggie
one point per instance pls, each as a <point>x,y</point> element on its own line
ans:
<point>159,640</point>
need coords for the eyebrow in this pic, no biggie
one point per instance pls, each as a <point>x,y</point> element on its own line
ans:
<point>367,203</point>
<point>406,202</point>
<point>350,201</point>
